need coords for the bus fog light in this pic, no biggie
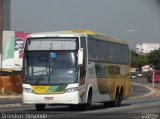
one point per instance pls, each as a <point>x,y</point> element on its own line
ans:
<point>68,90</point>
<point>27,90</point>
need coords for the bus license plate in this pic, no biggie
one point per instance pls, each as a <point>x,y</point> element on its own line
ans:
<point>48,98</point>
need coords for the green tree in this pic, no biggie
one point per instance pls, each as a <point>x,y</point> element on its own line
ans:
<point>154,59</point>
<point>133,58</point>
<point>138,59</point>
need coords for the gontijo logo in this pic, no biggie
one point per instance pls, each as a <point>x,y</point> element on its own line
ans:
<point>49,89</point>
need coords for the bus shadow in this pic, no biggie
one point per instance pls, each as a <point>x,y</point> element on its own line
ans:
<point>98,107</point>
<point>62,109</point>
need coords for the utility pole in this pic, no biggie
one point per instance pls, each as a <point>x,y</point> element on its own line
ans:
<point>1,31</point>
<point>153,75</point>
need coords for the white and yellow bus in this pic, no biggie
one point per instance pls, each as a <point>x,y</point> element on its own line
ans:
<point>75,68</point>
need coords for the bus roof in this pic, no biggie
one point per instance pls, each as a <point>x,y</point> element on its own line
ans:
<point>77,33</point>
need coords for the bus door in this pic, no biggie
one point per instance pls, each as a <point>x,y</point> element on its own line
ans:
<point>82,70</point>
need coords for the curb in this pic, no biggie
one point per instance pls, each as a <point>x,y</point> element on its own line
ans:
<point>2,97</point>
<point>11,105</point>
<point>10,96</point>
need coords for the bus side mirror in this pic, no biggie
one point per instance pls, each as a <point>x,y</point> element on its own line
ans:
<point>80,56</point>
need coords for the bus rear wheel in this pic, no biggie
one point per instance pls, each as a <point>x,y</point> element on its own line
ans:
<point>117,101</point>
<point>40,107</point>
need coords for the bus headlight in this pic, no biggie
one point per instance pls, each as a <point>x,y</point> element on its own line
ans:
<point>73,89</point>
<point>27,90</point>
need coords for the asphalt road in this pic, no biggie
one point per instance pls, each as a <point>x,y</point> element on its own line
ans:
<point>130,109</point>
<point>145,82</point>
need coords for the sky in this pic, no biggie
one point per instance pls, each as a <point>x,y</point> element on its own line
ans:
<point>137,21</point>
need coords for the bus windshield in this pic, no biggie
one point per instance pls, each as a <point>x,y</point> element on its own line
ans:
<point>50,67</point>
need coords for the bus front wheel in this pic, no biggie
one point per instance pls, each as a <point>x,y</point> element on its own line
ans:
<point>89,101</point>
<point>87,105</point>
<point>40,107</point>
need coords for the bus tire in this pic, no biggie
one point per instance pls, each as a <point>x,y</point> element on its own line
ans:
<point>87,106</point>
<point>40,107</point>
<point>73,107</point>
<point>121,94</point>
<point>117,101</point>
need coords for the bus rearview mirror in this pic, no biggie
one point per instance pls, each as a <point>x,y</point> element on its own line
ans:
<point>80,56</point>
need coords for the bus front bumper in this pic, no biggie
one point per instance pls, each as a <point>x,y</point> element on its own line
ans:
<point>65,98</point>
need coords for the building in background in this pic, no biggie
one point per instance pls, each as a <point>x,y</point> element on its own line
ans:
<point>145,48</point>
